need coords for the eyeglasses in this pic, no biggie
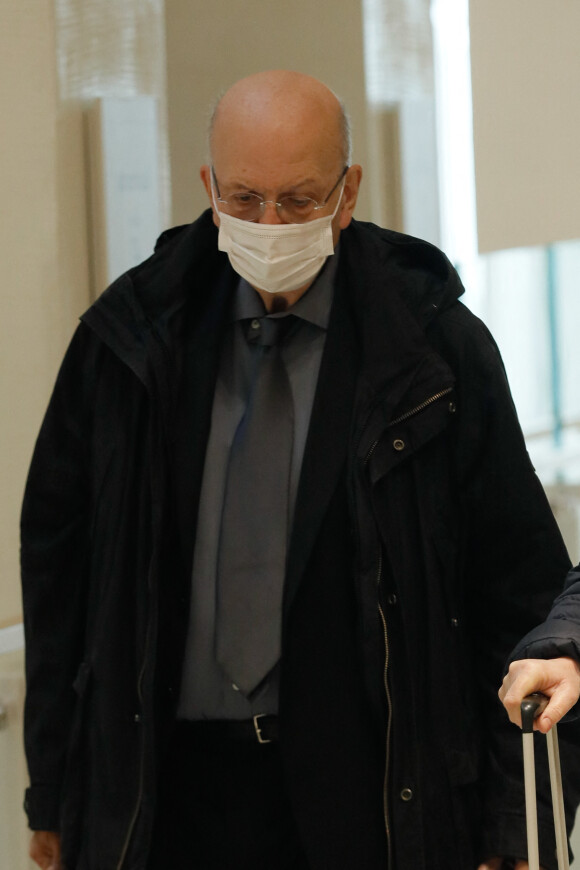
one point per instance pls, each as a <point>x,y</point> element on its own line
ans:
<point>291,209</point>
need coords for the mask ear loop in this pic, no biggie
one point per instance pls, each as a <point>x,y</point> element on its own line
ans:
<point>213,199</point>
<point>339,198</point>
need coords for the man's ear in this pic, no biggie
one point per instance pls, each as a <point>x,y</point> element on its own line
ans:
<point>205,175</point>
<point>350,194</point>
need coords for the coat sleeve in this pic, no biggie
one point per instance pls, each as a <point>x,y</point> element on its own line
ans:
<point>54,549</point>
<point>559,634</point>
<point>513,566</point>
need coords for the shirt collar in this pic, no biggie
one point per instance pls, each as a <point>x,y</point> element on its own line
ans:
<point>314,306</point>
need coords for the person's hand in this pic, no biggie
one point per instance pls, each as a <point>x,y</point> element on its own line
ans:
<point>558,679</point>
<point>497,864</point>
<point>45,850</point>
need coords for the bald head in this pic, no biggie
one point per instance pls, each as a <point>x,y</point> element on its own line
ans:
<point>284,103</point>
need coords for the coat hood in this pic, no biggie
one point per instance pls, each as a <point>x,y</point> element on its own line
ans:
<point>186,260</point>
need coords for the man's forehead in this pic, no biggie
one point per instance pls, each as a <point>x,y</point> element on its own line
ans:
<point>301,134</point>
<point>299,125</point>
<point>276,155</point>
<point>273,169</point>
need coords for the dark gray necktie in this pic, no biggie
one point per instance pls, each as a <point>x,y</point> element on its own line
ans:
<point>254,529</point>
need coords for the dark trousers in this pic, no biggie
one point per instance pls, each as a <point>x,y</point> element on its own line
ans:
<point>223,806</point>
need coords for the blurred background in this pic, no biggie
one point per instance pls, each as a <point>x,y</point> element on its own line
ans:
<point>466,121</point>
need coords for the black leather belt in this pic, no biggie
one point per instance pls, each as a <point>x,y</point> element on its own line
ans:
<point>262,728</point>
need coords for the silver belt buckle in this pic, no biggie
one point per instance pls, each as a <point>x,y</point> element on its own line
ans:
<point>257,728</point>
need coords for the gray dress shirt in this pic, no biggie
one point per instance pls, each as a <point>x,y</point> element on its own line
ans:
<point>206,693</point>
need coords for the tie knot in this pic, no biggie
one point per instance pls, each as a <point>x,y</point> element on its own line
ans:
<point>269,331</point>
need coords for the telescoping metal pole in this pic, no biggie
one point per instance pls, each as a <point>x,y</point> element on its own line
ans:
<point>531,707</point>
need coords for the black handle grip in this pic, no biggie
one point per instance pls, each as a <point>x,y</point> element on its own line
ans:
<point>531,707</point>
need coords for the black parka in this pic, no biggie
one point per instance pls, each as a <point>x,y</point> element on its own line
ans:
<point>456,555</point>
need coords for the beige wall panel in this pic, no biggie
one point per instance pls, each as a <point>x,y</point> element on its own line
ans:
<point>526,81</point>
<point>55,57</point>
<point>28,240</point>
<point>209,46</point>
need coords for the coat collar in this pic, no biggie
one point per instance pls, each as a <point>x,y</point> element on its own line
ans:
<point>397,285</point>
<point>394,287</point>
<point>140,309</point>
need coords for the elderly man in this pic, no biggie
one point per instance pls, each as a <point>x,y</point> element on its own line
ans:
<point>279,535</point>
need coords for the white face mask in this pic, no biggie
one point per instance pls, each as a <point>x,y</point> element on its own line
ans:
<point>277,258</point>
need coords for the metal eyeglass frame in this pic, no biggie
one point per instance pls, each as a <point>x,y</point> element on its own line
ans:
<point>264,202</point>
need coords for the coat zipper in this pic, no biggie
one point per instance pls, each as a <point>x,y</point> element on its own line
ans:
<point>138,720</point>
<point>386,813</point>
<point>407,414</point>
<point>138,716</point>
<point>422,406</point>
<point>141,775</point>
